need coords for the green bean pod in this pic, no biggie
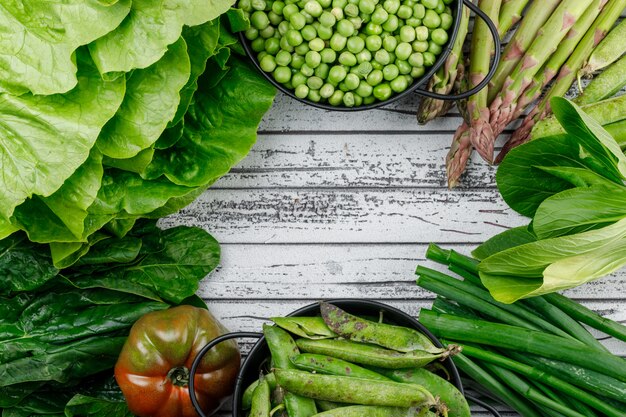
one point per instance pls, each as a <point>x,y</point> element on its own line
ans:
<point>371,355</point>
<point>261,404</point>
<point>328,405</point>
<point>282,348</point>
<point>307,327</point>
<point>354,390</point>
<point>373,411</point>
<point>402,339</point>
<point>246,398</point>
<point>450,396</point>
<point>332,366</point>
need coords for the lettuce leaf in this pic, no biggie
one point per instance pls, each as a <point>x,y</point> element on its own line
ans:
<point>38,40</point>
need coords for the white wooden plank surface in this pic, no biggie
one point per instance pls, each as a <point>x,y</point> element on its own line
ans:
<point>332,205</point>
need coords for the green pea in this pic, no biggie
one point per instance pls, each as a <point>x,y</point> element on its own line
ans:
<point>302,49</point>
<point>294,38</point>
<point>407,34</point>
<point>328,55</point>
<point>377,65</point>
<point>278,6</point>
<point>352,81</point>
<point>340,3</point>
<point>420,46</point>
<point>283,27</point>
<point>258,4</point>
<point>258,45</point>
<point>439,36</point>
<point>399,84</point>
<point>422,33</point>
<point>382,57</point>
<point>302,91</point>
<point>373,29</point>
<point>324,32</point>
<point>364,89</point>
<point>275,19</point>
<point>430,4</point>
<point>355,44</point>
<point>245,5</point>
<point>351,10</point>
<point>404,12</point>
<point>314,96</point>
<point>391,6</point>
<point>284,45</point>
<point>417,72</point>
<point>364,68</point>
<point>267,63</point>
<point>409,3</point>
<point>315,83</point>
<point>403,51</point>
<point>260,55</point>
<point>446,21</point>
<point>413,22</point>
<point>312,59</point>
<point>308,32</point>
<point>364,56</point>
<point>429,59</point>
<point>434,48</point>
<point>297,61</point>
<point>390,72</point>
<point>365,17</point>
<point>251,33</point>
<point>327,90</point>
<point>419,11</point>
<point>322,71</point>
<point>338,42</point>
<point>392,23</point>
<point>306,70</point>
<point>313,8</point>
<point>382,91</point>
<point>289,10</point>
<point>283,58</point>
<point>325,3</point>
<point>441,7</point>
<point>357,22</point>
<point>309,20</point>
<point>337,74</point>
<point>373,43</point>
<point>345,28</point>
<point>282,74</point>
<point>431,19</point>
<point>379,16</point>
<point>272,46</point>
<point>404,67</point>
<point>297,20</point>
<point>348,99</point>
<point>416,59</point>
<point>369,100</point>
<point>390,43</point>
<point>259,20</point>
<point>338,13</point>
<point>347,58</point>
<point>336,99</point>
<point>375,77</point>
<point>298,79</point>
<point>358,100</point>
<point>327,19</point>
<point>367,6</point>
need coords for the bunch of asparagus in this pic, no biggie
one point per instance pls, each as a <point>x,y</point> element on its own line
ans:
<point>552,43</point>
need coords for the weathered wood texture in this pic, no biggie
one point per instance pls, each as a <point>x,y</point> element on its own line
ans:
<point>343,205</point>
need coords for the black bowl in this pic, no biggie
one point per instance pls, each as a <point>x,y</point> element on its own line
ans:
<point>259,354</point>
<point>455,6</point>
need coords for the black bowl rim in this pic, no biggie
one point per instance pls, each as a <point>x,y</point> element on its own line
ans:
<point>340,302</point>
<point>416,84</point>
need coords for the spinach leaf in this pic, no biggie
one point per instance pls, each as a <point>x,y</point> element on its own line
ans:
<point>24,266</point>
<point>85,406</point>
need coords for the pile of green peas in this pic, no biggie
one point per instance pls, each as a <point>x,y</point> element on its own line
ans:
<point>347,52</point>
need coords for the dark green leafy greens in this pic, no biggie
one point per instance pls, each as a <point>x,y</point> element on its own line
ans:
<point>572,185</point>
<point>61,330</point>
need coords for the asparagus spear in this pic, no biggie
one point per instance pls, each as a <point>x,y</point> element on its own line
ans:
<point>558,25</point>
<point>482,46</point>
<point>605,85</point>
<point>564,50</point>
<point>510,14</point>
<point>536,16</point>
<point>460,151</point>
<point>567,74</point>
<point>443,80</point>
<point>608,51</point>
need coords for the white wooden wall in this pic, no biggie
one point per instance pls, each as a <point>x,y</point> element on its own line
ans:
<point>334,204</point>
